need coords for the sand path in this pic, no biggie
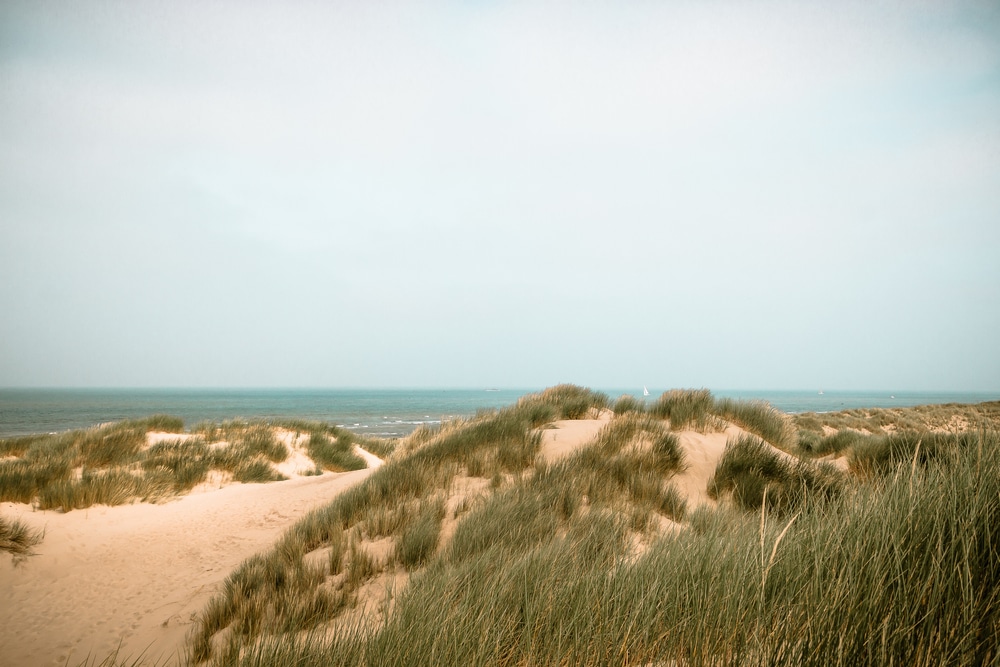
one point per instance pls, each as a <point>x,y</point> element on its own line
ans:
<point>138,574</point>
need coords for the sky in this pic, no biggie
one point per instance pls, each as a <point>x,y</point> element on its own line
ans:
<point>733,195</point>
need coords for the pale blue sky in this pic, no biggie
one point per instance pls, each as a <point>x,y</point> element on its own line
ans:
<point>733,195</point>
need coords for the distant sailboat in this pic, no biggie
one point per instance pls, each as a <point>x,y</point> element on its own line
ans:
<point>645,392</point>
<point>820,392</point>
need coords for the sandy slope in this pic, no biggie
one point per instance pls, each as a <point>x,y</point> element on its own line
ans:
<point>139,573</point>
<point>562,438</point>
<point>702,452</point>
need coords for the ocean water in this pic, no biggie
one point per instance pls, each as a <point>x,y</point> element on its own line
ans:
<point>381,412</point>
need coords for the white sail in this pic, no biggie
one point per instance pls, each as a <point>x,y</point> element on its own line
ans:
<point>645,392</point>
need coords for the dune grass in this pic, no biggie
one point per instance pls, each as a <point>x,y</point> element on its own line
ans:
<point>108,487</point>
<point>112,464</point>
<point>334,454</point>
<point>263,594</point>
<point>894,561</point>
<point>899,568</point>
<point>685,408</point>
<point>814,444</point>
<point>419,539</point>
<point>18,539</point>
<point>612,489</point>
<point>754,474</point>
<point>947,417</point>
<point>187,461</point>
<point>877,455</point>
<point>697,409</point>
<point>564,401</point>
<point>761,419</point>
<point>628,403</point>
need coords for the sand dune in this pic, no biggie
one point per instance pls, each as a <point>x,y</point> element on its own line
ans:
<point>137,574</point>
<point>702,452</point>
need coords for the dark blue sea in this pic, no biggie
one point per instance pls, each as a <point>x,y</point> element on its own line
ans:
<point>378,412</point>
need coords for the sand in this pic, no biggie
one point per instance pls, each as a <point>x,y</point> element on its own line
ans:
<point>138,574</point>
<point>562,438</point>
<point>702,452</point>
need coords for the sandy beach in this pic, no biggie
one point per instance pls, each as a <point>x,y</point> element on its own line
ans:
<point>136,575</point>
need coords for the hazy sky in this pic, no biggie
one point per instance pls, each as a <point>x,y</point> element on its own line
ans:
<point>731,195</point>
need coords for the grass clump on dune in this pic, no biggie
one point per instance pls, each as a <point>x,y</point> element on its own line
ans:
<point>628,403</point>
<point>249,452</point>
<point>247,442</point>
<point>699,410</point>
<point>653,446</point>
<point>564,401</point>
<point>834,444</point>
<point>754,474</point>
<point>18,539</point>
<point>107,487</point>
<point>187,461</point>
<point>46,464</point>
<point>420,538</point>
<point>333,454</point>
<point>948,417</point>
<point>684,407</point>
<point>335,444</point>
<point>761,419</point>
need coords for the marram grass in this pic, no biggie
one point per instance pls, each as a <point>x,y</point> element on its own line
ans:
<point>896,562</point>
<point>113,465</point>
<point>905,571</point>
<point>18,539</point>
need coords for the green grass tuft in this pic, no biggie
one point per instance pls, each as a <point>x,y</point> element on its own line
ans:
<point>256,470</point>
<point>684,407</point>
<point>564,401</point>
<point>110,487</point>
<point>186,460</point>
<point>884,454</point>
<point>337,455</point>
<point>756,474</point>
<point>420,538</point>
<point>17,539</point>
<point>759,418</point>
<point>628,403</point>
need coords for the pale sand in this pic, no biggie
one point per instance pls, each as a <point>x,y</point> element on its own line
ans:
<point>563,437</point>
<point>702,452</point>
<point>138,574</point>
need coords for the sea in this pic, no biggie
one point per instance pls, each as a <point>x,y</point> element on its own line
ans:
<point>388,413</point>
